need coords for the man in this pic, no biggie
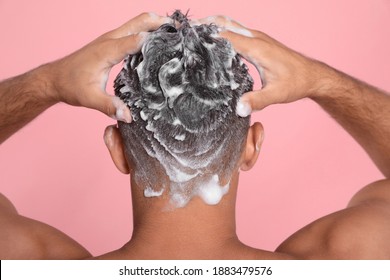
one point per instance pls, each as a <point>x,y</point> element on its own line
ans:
<point>199,230</point>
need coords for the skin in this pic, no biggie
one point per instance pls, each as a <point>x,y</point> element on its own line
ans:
<point>359,231</point>
<point>78,79</point>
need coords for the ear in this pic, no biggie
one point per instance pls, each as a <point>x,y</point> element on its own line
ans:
<point>254,141</point>
<point>114,143</point>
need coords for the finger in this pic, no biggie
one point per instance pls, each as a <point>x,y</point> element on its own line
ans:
<point>123,46</point>
<point>141,23</point>
<point>250,49</point>
<point>226,23</point>
<point>234,26</point>
<point>110,105</point>
<point>242,44</point>
<point>255,100</point>
<point>222,21</point>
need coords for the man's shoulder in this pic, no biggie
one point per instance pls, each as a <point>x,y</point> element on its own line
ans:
<point>359,231</point>
<point>25,238</point>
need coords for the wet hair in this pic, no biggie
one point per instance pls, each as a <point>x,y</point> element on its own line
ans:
<point>182,90</point>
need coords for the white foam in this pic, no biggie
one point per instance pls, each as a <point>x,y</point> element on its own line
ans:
<point>140,68</point>
<point>174,65</point>
<point>122,112</point>
<point>177,175</point>
<point>149,127</point>
<point>150,89</point>
<point>233,84</point>
<point>143,115</point>
<point>173,93</point>
<point>156,117</point>
<point>180,137</point>
<point>211,192</point>
<point>156,106</point>
<point>149,192</point>
<point>243,109</point>
<point>179,200</point>
<point>125,89</point>
<point>176,122</point>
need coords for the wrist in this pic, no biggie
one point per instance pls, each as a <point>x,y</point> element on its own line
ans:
<point>329,83</point>
<point>43,84</point>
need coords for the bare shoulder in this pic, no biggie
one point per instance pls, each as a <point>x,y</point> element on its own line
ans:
<point>360,231</point>
<point>378,191</point>
<point>24,238</point>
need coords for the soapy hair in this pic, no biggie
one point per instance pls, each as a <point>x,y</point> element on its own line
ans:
<point>182,90</point>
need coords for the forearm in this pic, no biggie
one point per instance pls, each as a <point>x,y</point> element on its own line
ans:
<point>362,110</point>
<point>22,98</point>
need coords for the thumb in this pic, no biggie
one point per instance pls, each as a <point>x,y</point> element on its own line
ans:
<point>254,101</point>
<point>110,105</point>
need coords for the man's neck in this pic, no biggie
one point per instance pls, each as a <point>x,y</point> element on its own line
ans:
<point>197,230</point>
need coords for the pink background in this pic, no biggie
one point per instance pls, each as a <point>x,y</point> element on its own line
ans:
<point>57,169</point>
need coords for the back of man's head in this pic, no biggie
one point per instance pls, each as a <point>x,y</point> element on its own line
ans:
<point>182,89</point>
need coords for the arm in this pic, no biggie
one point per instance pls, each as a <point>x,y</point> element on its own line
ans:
<point>22,98</point>
<point>78,79</point>
<point>287,76</point>
<point>361,109</point>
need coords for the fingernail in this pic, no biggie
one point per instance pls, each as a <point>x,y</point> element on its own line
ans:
<point>221,29</point>
<point>241,31</point>
<point>172,21</point>
<point>122,111</point>
<point>243,109</point>
<point>123,114</point>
